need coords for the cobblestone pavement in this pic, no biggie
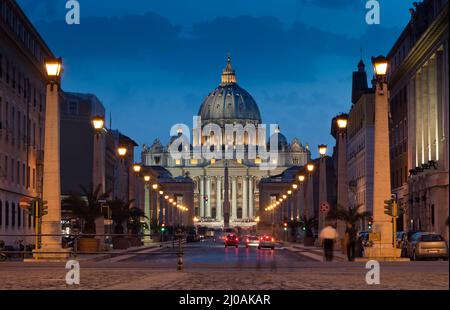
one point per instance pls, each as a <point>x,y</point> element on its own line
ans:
<point>417,275</point>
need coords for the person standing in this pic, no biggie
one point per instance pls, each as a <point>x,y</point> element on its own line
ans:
<point>351,241</point>
<point>328,237</point>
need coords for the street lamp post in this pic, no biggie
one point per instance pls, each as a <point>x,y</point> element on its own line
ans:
<point>301,195</point>
<point>98,169</point>
<point>147,230</point>
<point>122,153</point>
<point>310,190</point>
<point>51,222</point>
<point>342,183</point>
<point>382,181</point>
<point>322,182</point>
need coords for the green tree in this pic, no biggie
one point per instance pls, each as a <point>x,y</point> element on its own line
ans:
<point>308,224</point>
<point>134,220</point>
<point>350,215</point>
<point>86,206</point>
<point>120,213</point>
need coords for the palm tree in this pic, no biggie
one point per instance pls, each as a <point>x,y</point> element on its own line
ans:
<point>120,213</point>
<point>308,224</point>
<point>134,221</point>
<point>350,215</point>
<point>87,206</point>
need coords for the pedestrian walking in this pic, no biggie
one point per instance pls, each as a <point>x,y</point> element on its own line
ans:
<point>351,236</point>
<point>328,237</point>
<point>359,247</point>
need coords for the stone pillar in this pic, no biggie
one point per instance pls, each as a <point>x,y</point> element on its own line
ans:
<point>250,198</point>
<point>322,189</point>
<point>51,223</point>
<point>160,202</point>
<point>153,206</point>
<point>147,211</point>
<point>218,199</point>
<point>98,178</point>
<point>342,182</point>
<point>202,197</point>
<point>244,197</point>
<point>301,199</point>
<point>233,198</point>
<point>382,180</point>
<point>208,194</point>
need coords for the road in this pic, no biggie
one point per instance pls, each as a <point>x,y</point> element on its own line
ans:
<point>213,255</point>
<point>208,265</point>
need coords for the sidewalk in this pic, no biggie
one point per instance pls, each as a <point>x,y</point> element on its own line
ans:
<point>313,252</point>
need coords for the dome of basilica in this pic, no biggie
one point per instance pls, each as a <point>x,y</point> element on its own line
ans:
<point>229,103</point>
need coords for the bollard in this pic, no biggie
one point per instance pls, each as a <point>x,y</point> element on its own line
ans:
<point>180,252</point>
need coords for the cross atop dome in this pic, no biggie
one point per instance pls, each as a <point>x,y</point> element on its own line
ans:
<point>228,74</point>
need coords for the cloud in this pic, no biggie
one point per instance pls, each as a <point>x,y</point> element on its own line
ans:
<point>147,66</point>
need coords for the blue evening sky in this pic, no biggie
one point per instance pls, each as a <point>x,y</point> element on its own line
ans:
<point>152,62</point>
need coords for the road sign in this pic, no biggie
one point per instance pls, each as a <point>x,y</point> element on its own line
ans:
<point>325,207</point>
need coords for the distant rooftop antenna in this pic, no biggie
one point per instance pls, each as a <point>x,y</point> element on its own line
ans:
<point>110,120</point>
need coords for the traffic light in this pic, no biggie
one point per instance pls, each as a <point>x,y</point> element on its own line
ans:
<point>42,207</point>
<point>205,198</point>
<point>388,207</point>
<point>32,208</point>
<point>369,225</point>
<point>163,227</point>
<point>285,226</point>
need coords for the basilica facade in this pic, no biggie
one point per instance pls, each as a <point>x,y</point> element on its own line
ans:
<point>228,104</point>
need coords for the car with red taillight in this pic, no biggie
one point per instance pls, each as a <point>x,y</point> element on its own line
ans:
<point>251,241</point>
<point>231,240</point>
<point>266,241</point>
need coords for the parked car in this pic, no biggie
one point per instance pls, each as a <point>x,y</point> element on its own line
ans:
<point>252,241</point>
<point>427,245</point>
<point>266,241</point>
<point>231,240</point>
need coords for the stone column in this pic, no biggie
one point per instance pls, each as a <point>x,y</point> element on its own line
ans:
<point>250,198</point>
<point>233,198</point>
<point>98,178</point>
<point>382,181</point>
<point>147,211</point>
<point>322,189</point>
<point>244,197</point>
<point>208,194</point>
<point>51,223</point>
<point>302,199</point>
<point>218,199</point>
<point>202,197</point>
<point>342,182</point>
